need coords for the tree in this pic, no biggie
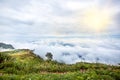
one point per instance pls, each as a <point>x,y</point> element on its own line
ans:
<point>49,56</point>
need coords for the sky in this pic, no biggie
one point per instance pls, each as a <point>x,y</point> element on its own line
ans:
<point>34,18</point>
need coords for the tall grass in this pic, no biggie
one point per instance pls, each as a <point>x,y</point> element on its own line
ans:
<point>25,65</point>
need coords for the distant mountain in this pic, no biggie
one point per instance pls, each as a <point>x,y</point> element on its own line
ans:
<point>6,46</point>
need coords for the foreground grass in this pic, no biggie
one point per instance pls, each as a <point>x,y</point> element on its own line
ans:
<point>24,65</point>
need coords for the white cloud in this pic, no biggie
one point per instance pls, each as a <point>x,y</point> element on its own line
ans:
<point>43,17</point>
<point>69,50</point>
<point>78,5</point>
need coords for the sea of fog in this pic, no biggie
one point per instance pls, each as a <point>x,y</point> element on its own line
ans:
<point>72,50</point>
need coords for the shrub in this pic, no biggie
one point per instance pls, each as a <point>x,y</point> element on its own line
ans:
<point>4,57</point>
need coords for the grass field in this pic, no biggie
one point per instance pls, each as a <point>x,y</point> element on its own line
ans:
<point>23,64</point>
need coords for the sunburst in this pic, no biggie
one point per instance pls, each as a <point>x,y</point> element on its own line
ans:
<point>96,20</point>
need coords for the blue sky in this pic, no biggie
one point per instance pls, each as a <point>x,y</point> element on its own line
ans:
<point>35,18</point>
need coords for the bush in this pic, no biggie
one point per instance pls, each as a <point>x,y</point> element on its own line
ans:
<point>105,77</point>
<point>115,75</point>
<point>4,57</point>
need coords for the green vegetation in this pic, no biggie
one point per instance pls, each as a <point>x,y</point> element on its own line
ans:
<point>25,65</point>
<point>49,56</point>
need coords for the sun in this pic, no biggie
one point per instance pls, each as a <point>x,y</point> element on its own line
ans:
<point>96,20</point>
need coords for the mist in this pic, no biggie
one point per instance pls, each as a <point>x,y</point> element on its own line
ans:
<point>73,50</point>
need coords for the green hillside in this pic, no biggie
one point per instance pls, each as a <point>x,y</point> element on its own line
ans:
<point>25,65</point>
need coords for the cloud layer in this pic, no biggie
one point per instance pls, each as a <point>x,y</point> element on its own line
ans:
<point>70,51</point>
